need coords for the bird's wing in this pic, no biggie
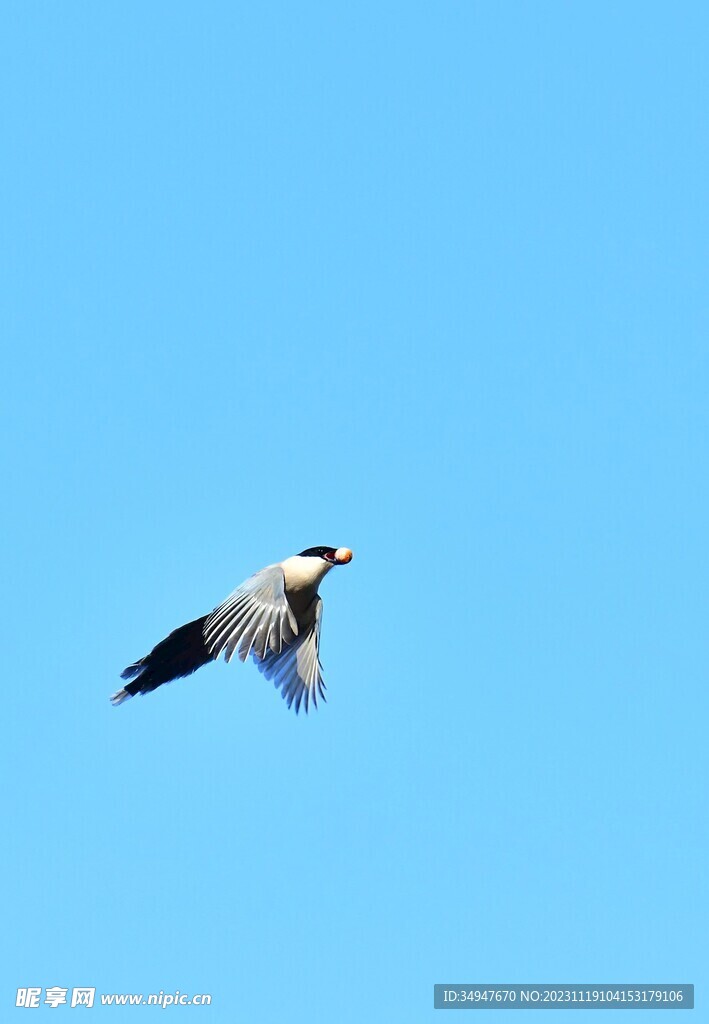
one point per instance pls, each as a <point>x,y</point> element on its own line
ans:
<point>255,618</point>
<point>297,669</point>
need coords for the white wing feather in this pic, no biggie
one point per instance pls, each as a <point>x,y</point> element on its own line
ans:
<point>297,669</point>
<point>256,618</point>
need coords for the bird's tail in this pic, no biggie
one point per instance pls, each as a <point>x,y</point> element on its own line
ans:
<point>179,654</point>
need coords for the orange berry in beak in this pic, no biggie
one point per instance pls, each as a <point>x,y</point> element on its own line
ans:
<point>343,556</point>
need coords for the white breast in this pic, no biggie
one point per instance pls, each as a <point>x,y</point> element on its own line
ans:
<point>304,572</point>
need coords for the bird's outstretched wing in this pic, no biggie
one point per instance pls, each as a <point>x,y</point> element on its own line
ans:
<point>256,618</point>
<point>297,669</point>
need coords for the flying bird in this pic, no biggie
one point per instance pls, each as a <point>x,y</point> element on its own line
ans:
<point>274,615</point>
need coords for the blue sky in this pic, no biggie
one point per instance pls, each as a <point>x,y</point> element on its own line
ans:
<point>426,280</point>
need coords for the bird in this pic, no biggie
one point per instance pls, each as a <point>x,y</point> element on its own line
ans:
<point>274,616</point>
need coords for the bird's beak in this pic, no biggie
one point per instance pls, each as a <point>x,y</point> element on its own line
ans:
<point>343,556</point>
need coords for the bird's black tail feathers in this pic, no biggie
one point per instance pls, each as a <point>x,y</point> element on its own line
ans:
<point>179,654</point>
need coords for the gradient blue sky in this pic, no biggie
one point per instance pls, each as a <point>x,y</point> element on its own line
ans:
<point>428,280</point>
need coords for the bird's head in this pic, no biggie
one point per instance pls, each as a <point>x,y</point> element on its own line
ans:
<point>333,556</point>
